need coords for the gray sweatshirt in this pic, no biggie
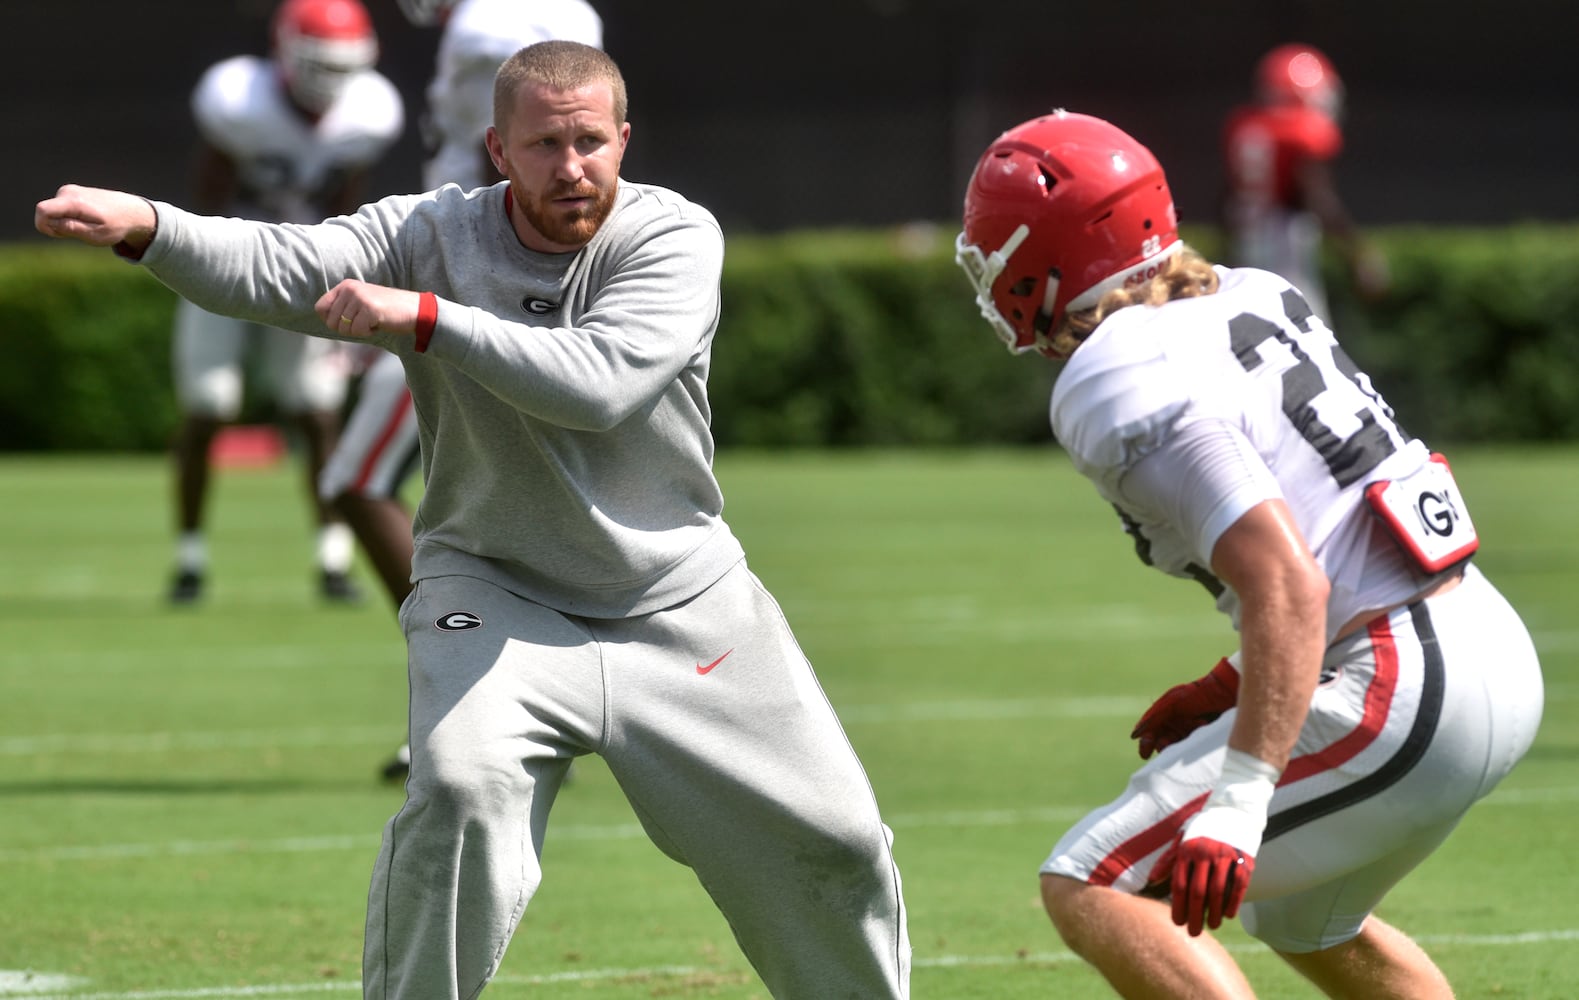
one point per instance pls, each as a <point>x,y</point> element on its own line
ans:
<point>562,399</point>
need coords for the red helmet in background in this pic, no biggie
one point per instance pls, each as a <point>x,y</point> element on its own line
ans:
<point>319,45</point>
<point>1060,210</point>
<point>1298,74</point>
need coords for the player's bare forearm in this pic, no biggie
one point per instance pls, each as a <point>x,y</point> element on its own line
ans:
<point>355,308</point>
<point>1283,608</point>
<point>1283,643</point>
<point>98,217</point>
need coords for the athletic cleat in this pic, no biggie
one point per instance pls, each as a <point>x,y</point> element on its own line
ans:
<point>338,587</point>
<point>187,587</point>
<point>399,765</point>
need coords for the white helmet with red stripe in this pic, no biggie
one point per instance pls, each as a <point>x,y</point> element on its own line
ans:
<point>1060,210</point>
<point>320,45</point>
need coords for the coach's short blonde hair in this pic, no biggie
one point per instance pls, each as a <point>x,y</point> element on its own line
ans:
<point>559,64</point>
<point>1185,275</point>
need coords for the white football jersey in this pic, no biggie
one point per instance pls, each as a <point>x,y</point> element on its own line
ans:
<point>1255,358</point>
<point>479,35</point>
<point>287,163</point>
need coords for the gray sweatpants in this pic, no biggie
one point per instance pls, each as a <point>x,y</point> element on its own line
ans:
<point>740,771</point>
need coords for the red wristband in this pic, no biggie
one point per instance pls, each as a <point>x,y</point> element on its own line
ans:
<point>427,319</point>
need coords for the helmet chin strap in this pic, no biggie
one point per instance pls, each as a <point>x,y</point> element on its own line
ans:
<point>1045,317</point>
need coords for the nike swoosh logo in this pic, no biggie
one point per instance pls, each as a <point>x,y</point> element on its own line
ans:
<point>704,671</point>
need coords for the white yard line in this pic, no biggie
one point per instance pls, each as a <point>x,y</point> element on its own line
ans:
<point>163,742</point>
<point>613,831</point>
<point>1092,707</point>
<point>9,982</point>
<point>317,736</point>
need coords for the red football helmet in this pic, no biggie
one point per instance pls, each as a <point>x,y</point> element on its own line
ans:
<point>319,45</point>
<point>1060,210</point>
<point>1301,75</point>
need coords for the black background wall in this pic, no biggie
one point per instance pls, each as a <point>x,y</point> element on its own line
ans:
<point>783,115</point>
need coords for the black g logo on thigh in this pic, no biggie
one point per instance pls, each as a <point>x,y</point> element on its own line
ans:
<point>457,621</point>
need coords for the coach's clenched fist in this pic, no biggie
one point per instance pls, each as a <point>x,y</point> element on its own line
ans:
<point>98,218</point>
<point>356,308</point>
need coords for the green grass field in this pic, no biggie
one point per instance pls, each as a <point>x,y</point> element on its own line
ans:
<point>189,805</point>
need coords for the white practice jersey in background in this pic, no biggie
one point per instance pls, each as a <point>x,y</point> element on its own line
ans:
<point>478,36</point>
<point>1255,358</point>
<point>286,161</point>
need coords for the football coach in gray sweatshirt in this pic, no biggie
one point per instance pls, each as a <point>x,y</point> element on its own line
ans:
<point>577,589</point>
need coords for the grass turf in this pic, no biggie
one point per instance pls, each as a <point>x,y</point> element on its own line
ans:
<point>188,800</point>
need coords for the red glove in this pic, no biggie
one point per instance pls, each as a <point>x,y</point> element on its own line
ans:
<point>1209,882</point>
<point>1187,707</point>
<point>1216,851</point>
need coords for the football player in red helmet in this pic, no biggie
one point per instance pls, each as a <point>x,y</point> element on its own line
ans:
<point>292,137</point>
<point>1382,685</point>
<point>1281,199</point>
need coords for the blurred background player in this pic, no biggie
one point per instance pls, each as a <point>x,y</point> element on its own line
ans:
<point>290,138</point>
<point>478,36</point>
<point>1281,198</point>
<point>378,451</point>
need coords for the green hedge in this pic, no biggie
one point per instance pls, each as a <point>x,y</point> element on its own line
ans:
<point>87,341</point>
<point>870,338</point>
<point>1479,338</point>
<point>864,338</point>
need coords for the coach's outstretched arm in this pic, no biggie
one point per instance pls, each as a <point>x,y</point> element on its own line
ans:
<point>98,217</point>
<point>128,222</point>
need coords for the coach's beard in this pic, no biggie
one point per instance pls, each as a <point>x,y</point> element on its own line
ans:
<point>576,226</point>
